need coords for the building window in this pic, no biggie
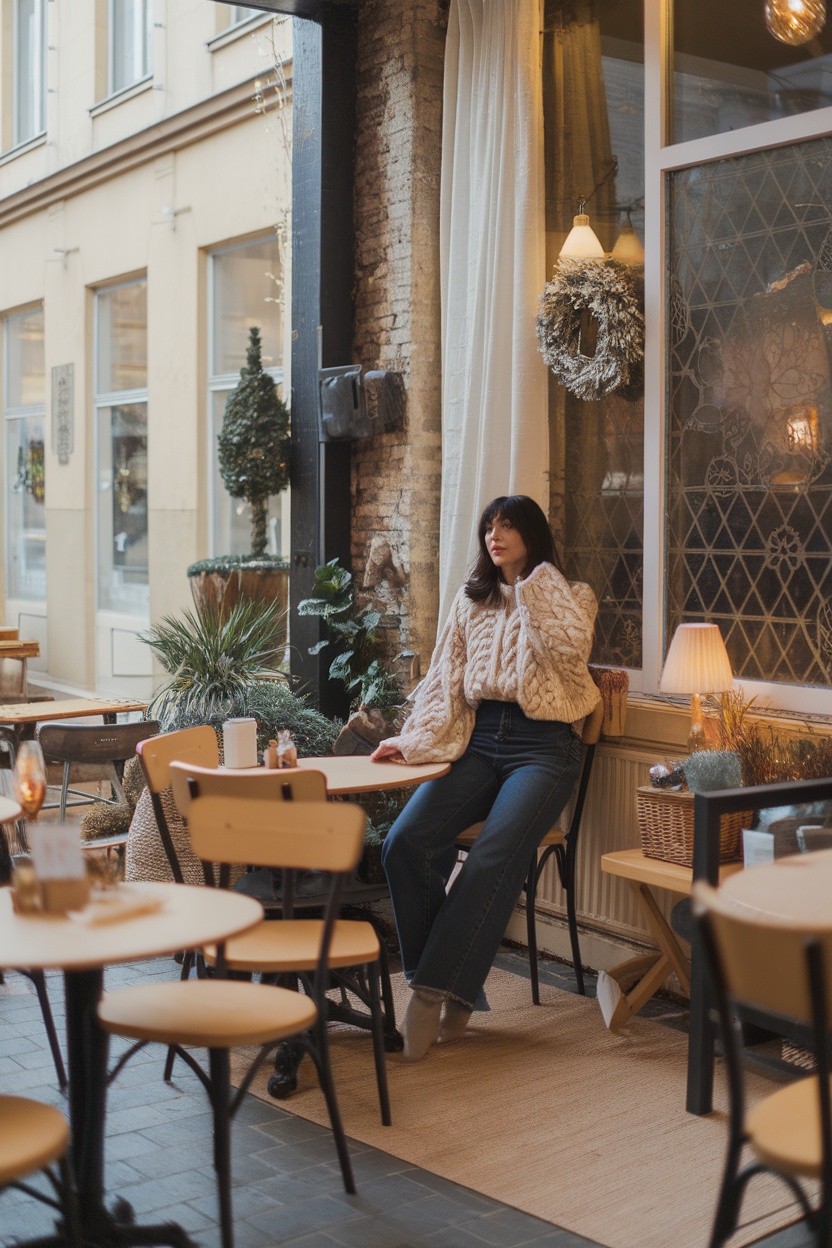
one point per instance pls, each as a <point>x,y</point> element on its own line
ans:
<point>121,448</point>
<point>744,75</point>
<point>29,69</point>
<point>749,511</point>
<point>24,420</point>
<point>593,102</point>
<point>246,289</point>
<point>240,13</point>
<point>129,42</point>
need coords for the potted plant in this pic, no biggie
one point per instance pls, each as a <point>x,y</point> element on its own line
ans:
<point>254,465</point>
<point>356,635</point>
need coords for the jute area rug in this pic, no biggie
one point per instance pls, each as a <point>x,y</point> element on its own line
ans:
<point>542,1108</point>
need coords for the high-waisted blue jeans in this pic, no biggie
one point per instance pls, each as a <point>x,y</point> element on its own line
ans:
<point>517,775</point>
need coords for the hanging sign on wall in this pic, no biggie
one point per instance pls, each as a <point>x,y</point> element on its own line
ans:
<point>63,411</point>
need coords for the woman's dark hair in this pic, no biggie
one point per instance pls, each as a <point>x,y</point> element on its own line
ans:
<point>483,585</point>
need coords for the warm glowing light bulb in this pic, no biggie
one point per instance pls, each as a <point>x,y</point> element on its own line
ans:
<point>795,21</point>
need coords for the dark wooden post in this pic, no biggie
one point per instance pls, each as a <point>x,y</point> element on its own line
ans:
<point>322,313</point>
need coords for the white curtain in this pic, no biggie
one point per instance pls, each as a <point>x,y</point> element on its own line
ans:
<point>494,390</point>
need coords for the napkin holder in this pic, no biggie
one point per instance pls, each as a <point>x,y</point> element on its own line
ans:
<point>55,880</point>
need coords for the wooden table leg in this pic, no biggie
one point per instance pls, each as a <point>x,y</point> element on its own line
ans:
<point>623,991</point>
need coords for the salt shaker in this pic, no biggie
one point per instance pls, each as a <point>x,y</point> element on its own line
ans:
<point>286,750</point>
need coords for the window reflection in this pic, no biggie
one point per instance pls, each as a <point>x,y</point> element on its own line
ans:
<point>121,320</point>
<point>593,99</point>
<point>246,290</point>
<point>25,473</point>
<point>744,76</point>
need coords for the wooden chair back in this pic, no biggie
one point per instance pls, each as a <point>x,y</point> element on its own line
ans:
<point>191,745</point>
<point>305,835</point>
<point>762,962</point>
<point>94,743</point>
<point>189,781</point>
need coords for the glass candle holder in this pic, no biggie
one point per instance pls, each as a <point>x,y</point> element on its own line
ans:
<point>30,778</point>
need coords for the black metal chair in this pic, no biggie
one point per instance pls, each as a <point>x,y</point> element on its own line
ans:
<point>108,746</point>
<point>757,963</point>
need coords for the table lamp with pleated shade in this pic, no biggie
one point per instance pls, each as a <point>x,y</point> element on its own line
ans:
<point>697,662</point>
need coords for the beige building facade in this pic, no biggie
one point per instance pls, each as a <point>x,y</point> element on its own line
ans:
<point>145,192</point>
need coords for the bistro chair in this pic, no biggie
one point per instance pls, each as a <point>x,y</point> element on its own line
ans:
<point>288,946</point>
<point>99,745</point>
<point>783,969</point>
<point>33,1137</point>
<point>218,1013</point>
<point>612,684</point>
<point>190,745</point>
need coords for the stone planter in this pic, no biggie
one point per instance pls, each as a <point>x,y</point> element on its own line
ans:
<point>225,581</point>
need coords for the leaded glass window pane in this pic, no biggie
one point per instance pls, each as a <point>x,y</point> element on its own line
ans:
<point>749,523</point>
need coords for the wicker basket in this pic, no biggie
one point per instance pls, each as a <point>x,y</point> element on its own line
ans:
<point>665,822</point>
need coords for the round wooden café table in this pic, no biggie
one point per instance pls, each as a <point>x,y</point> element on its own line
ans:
<point>796,889</point>
<point>185,918</point>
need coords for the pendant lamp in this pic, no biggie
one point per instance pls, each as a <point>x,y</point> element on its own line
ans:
<point>795,21</point>
<point>628,248</point>
<point>582,242</point>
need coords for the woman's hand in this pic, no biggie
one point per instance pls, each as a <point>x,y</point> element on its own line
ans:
<point>389,751</point>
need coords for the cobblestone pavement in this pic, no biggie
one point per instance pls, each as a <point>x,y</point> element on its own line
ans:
<point>287,1185</point>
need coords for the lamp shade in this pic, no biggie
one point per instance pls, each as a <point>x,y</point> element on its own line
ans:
<point>628,248</point>
<point>697,661</point>
<point>582,243</point>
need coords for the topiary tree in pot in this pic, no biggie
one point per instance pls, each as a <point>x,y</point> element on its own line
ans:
<point>254,464</point>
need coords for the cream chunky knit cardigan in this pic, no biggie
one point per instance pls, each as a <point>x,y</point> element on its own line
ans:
<point>533,651</point>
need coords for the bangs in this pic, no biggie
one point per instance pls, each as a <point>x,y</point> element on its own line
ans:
<point>509,507</point>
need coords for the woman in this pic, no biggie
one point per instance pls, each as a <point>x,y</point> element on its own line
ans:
<point>507,680</point>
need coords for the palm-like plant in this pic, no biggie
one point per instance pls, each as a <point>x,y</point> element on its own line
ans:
<point>212,661</point>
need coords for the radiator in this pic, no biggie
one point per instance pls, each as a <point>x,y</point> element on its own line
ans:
<point>605,903</point>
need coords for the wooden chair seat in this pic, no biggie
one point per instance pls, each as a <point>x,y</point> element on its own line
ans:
<point>209,1013</point>
<point>555,836</point>
<point>785,1132</point>
<point>32,1136</point>
<point>294,945</point>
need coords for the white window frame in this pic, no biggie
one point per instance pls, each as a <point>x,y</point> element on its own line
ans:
<point>222,382</point>
<point>142,35</point>
<point>10,414</point>
<point>103,400</point>
<point>38,73</point>
<point>660,160</point>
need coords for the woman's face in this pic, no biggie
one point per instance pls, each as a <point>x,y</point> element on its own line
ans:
<point>506,548</point>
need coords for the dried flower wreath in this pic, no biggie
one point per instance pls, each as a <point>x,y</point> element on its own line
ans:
<point>613,295</point>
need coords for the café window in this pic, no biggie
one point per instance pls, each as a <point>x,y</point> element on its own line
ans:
<point>749,515</point>
<point>29,77</point>
<point>746,74</point>
<point>121,448</point>
<point>593,110</point>
<point>130,23</point>
<point>246,289</point>
<point>24,450</point>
